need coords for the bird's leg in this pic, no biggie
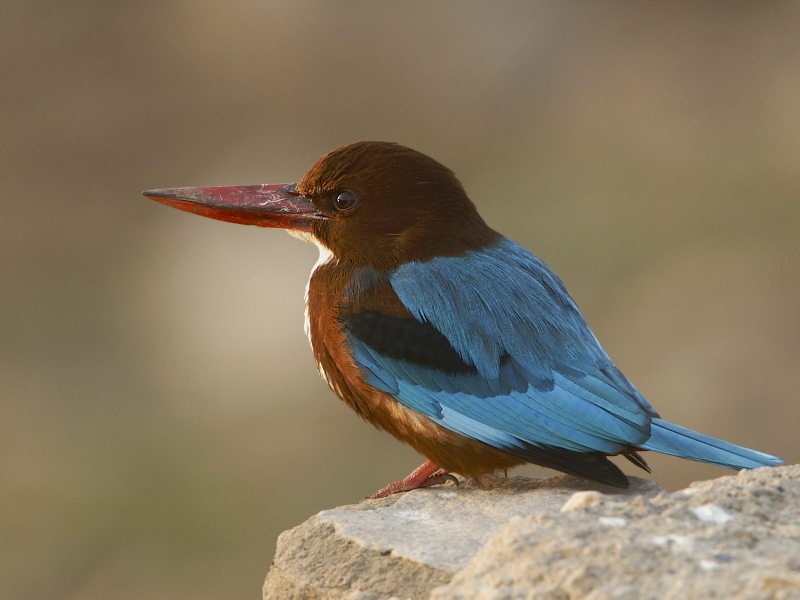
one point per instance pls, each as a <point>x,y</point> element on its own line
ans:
<point>424,476</point>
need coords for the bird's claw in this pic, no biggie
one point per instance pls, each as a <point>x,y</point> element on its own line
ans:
<point>425,476</point>
<point>448,477</point>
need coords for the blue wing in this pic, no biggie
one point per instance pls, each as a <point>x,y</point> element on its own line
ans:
<point>522,365</point>
<point>499,352</point>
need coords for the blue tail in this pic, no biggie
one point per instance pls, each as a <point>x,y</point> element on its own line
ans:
<point>669,438</point>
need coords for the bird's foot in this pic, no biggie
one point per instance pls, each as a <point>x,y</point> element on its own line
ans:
<point>425,476</point>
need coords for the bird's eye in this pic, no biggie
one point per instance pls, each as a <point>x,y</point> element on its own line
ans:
<point>344,200</point>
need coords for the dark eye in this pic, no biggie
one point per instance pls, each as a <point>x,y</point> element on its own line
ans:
<point>344,200</point>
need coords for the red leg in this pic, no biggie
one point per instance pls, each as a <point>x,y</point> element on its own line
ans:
<point>425,476</point>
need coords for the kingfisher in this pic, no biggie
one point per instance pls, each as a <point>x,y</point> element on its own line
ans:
<point>446,334</point>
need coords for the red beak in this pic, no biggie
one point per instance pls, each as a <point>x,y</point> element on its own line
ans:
<point>263,205</point>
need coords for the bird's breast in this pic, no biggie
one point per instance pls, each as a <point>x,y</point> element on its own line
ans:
<point>329,301</point>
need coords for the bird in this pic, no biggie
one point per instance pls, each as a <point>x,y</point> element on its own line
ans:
<point>444,333</point>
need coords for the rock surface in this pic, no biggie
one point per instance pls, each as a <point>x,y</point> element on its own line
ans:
<point>406,544</point>
<point>561,538</point>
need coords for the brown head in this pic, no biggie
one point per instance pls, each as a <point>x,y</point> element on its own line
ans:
<point>371,203</point>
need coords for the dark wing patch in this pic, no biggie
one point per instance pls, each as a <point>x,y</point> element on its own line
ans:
<point>417,352</point>
<point>407,339</point>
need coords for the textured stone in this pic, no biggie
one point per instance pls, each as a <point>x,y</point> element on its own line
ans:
<point>406,544</point>
<point>736,537</point>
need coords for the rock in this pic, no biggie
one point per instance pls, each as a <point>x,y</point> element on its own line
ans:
<point>563,538</point>
<point>405,545</point>
<point>733,537</point>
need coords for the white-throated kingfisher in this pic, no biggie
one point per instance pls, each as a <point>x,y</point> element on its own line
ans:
<point>446,334</point>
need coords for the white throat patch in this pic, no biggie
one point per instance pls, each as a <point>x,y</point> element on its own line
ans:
<point>325,257</point>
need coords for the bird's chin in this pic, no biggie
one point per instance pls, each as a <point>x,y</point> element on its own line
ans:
<point>305,236</point>
<point>325,253</point>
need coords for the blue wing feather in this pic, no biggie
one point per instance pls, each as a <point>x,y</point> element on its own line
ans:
<point>503,301</point>
<point>531,373</point>
<point>507,315</point>
<point>498,300</point>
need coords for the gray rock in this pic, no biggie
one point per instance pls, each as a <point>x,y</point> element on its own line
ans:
<point>733,537</point>
<point>736,537</point>
<point>405,545</point>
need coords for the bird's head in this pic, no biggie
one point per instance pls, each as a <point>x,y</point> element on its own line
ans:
<point>371,203</point>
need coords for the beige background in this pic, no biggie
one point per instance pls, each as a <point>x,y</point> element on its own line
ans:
<point>161,420</point>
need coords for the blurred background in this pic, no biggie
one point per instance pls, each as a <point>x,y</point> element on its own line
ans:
<point>161,419</point>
